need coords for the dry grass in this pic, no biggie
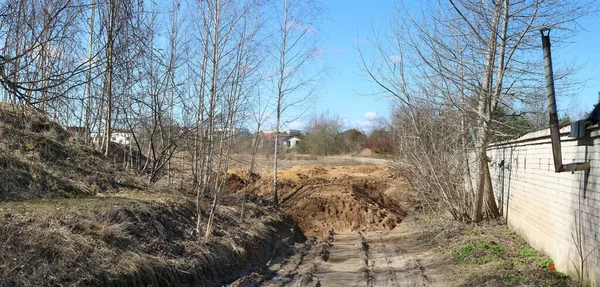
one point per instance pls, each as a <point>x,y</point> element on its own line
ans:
<point>289,160</point>
<point>39,159</point>
<point>132,239</point>
<point>486,255</point>
<point>70,217</point>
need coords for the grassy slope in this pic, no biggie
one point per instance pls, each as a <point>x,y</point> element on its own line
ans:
<point>55,230</point>
<point>488,254</point>
<point>39,159</point>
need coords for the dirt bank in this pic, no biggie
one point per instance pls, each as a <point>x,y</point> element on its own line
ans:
<point>71,217</point>
<point>135,239</point>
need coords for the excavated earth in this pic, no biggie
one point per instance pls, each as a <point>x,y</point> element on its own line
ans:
<point>338,198</point>
<point>353,216</point>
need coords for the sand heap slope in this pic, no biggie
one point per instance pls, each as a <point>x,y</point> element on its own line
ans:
<point>347,198</point>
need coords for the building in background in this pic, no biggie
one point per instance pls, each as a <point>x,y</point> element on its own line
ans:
<point>293,141</point>
<point>287,138</point>
<point>281,132</point>
<point>124,137</point>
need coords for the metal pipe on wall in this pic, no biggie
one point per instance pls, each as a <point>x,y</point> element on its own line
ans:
<point>554,127</point>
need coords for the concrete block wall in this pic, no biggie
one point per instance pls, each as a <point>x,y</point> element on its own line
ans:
<point>548,208</point>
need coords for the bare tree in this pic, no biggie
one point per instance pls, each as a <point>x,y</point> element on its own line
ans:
<point>295,21</point>
<point>260,115</point>
<point>88,104</point>
<point>112,29</point>
<point>322,135</point>
<point>466,59</point>
<point>226,37</point>
<point>39,65</point>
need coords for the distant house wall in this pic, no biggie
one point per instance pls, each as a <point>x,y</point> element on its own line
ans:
<point>292,142</point>
<point>120,137</point>
<point>235,131</point>
<point>284,132</point>
<point>542,205</point>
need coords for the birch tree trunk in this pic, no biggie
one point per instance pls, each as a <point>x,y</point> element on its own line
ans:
<point>88,105</point>
<point>113,10</point>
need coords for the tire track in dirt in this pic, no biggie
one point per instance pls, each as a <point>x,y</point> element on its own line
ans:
<point>394,258</point>
<point>371,246</point>
<point>399,258</point>
<point>347,264</point>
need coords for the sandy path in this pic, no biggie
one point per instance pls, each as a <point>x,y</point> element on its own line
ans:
<point>371,244</point>
<point>389,258</point>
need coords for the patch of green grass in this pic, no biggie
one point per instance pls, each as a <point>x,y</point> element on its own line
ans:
<point>527,252</point>
<point>507,277</point>
<point>506,265</point>
<point>545,262</point>
<point>464,251</point>
<point>494,248</point>
<point>489,252</point>
<point>496,256</point>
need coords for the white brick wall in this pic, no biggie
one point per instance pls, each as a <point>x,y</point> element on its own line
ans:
<point>541,205</point>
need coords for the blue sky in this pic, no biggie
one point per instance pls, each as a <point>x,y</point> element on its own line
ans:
<point>583,52</point>
<point>345,90</point>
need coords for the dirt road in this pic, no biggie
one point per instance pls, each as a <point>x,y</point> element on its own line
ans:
<point>357,219</point>
<point>355,214</point>
<point>389,258</point>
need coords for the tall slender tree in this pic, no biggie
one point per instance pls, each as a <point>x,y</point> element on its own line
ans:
<point>295,40</point>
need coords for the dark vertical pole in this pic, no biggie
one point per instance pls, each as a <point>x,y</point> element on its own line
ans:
<point>554,128</point>
<point>501,174</point>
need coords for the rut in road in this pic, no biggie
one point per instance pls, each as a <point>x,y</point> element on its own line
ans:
<point>360,210</point>
<point>390,258</point>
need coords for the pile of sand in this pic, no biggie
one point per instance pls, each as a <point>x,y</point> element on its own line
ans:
<point>366,152</point>
<point>345,198</point>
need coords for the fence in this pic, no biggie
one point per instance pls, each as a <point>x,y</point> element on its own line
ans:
<point>555,212</point>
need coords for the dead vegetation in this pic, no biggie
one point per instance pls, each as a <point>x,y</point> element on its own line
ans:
<point>39,159</point>
<point>71,217</point>
<point>134,239</point>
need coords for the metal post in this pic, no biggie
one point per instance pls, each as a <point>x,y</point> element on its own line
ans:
<point>554,128</point>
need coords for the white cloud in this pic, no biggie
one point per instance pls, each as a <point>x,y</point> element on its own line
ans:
<point>396,59</point>
<point>356,124</point>
<point>300,27</point>
<point>370,116</point>
<point>295,125</point>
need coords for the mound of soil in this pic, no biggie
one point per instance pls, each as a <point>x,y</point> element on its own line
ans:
<point>366,152</point>
<point>343,199</point>
<point>40,159</point>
